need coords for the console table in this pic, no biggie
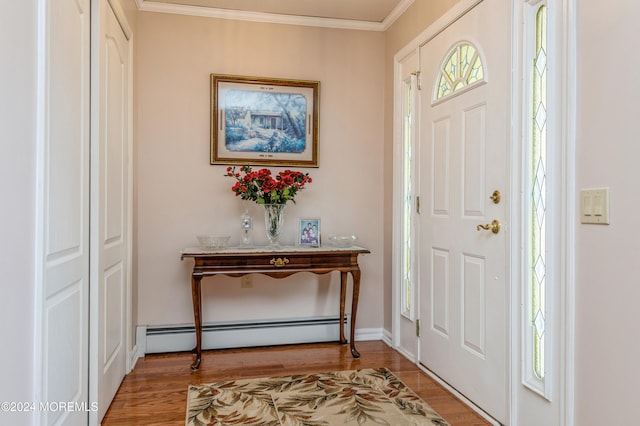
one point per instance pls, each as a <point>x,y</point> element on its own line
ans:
<point>277,263</point>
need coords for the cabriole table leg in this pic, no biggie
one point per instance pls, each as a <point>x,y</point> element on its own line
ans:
<point>343,296</point>
<point>196,294</point>
<point>354,310</point>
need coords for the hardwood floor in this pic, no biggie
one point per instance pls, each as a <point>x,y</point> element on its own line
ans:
<point>155,392</point>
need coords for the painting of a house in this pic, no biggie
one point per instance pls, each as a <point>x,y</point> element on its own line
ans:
<point>257,121</point>
<point>264,120</point>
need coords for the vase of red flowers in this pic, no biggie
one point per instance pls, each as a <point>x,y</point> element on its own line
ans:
<point>271,191</point>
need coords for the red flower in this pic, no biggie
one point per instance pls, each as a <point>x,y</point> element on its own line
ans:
<point>260,186</point>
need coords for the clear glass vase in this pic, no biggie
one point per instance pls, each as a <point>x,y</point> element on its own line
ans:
<point>273,221</point>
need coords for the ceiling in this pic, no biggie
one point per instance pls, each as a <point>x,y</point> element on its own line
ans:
<point>355,14</point>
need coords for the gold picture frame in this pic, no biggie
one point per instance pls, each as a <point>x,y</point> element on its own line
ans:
<point>264,121</point>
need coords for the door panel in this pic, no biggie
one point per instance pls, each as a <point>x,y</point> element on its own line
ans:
<point>113,314</point>
<point>440,299</point>
<point>440,166</point>
<point>463,159</point>
<point>474,199</point>
<point>473,302</point>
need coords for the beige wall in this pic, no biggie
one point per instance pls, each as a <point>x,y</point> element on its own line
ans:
<point>607,267</point>
<point>180,195</point>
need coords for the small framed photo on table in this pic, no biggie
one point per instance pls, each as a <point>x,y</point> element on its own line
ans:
<point>309,232</point>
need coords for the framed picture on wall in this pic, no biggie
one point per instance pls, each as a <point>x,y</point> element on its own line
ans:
<point>264,121</point>
<point>309,232</point>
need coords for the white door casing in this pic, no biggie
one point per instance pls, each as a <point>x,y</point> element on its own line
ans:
<point>110,206</point>
<point>464,156</point>
<point>63,200</point>
<point>406,93</point>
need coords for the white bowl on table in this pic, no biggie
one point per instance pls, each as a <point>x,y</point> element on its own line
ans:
<point>213,241</point>
<point>342,241</point>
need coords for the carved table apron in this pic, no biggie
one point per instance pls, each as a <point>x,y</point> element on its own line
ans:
<point>277,263</point>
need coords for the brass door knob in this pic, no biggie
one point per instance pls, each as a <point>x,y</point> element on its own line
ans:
<point>494,226</point>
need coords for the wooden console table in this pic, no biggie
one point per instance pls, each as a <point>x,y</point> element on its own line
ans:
<point>277,263</point>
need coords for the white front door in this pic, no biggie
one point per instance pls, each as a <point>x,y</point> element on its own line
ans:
<point>463,160</point>
<point>63,233</point>
<point>110,207</point>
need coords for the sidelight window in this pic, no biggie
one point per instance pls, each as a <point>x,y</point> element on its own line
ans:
<point>408,135</point>
<point>538,149</point>
<point>539,175</point>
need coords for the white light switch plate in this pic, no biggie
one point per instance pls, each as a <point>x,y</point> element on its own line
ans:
<point>594,206</point>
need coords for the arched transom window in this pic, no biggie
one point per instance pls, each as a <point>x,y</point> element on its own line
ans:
<point>461,69</point>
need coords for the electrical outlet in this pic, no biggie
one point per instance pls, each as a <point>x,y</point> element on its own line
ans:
<point>246,281</point>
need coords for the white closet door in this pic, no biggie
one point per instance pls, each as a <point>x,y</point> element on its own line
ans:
<point>111,206</point>
<point>64,202</point>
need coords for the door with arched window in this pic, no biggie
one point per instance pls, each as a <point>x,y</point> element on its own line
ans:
<point>465,192</point>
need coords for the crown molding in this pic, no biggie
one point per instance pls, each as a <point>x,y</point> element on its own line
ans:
<point>274,18</point>
<point>396,13</point>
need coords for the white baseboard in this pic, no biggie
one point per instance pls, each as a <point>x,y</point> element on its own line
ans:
<point>365,334</point>
<point>387,338</point>
<point>408,355</point>
<point>179,338</point>
<point>134,355</point>
<point>141,340</point>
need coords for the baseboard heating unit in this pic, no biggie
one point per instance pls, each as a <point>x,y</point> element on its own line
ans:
<point>178,338</point>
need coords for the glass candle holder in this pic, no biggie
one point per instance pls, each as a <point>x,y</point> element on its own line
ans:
<point>247,226</point>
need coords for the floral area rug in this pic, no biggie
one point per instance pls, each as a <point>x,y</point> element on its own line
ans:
<point>357,397</point>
